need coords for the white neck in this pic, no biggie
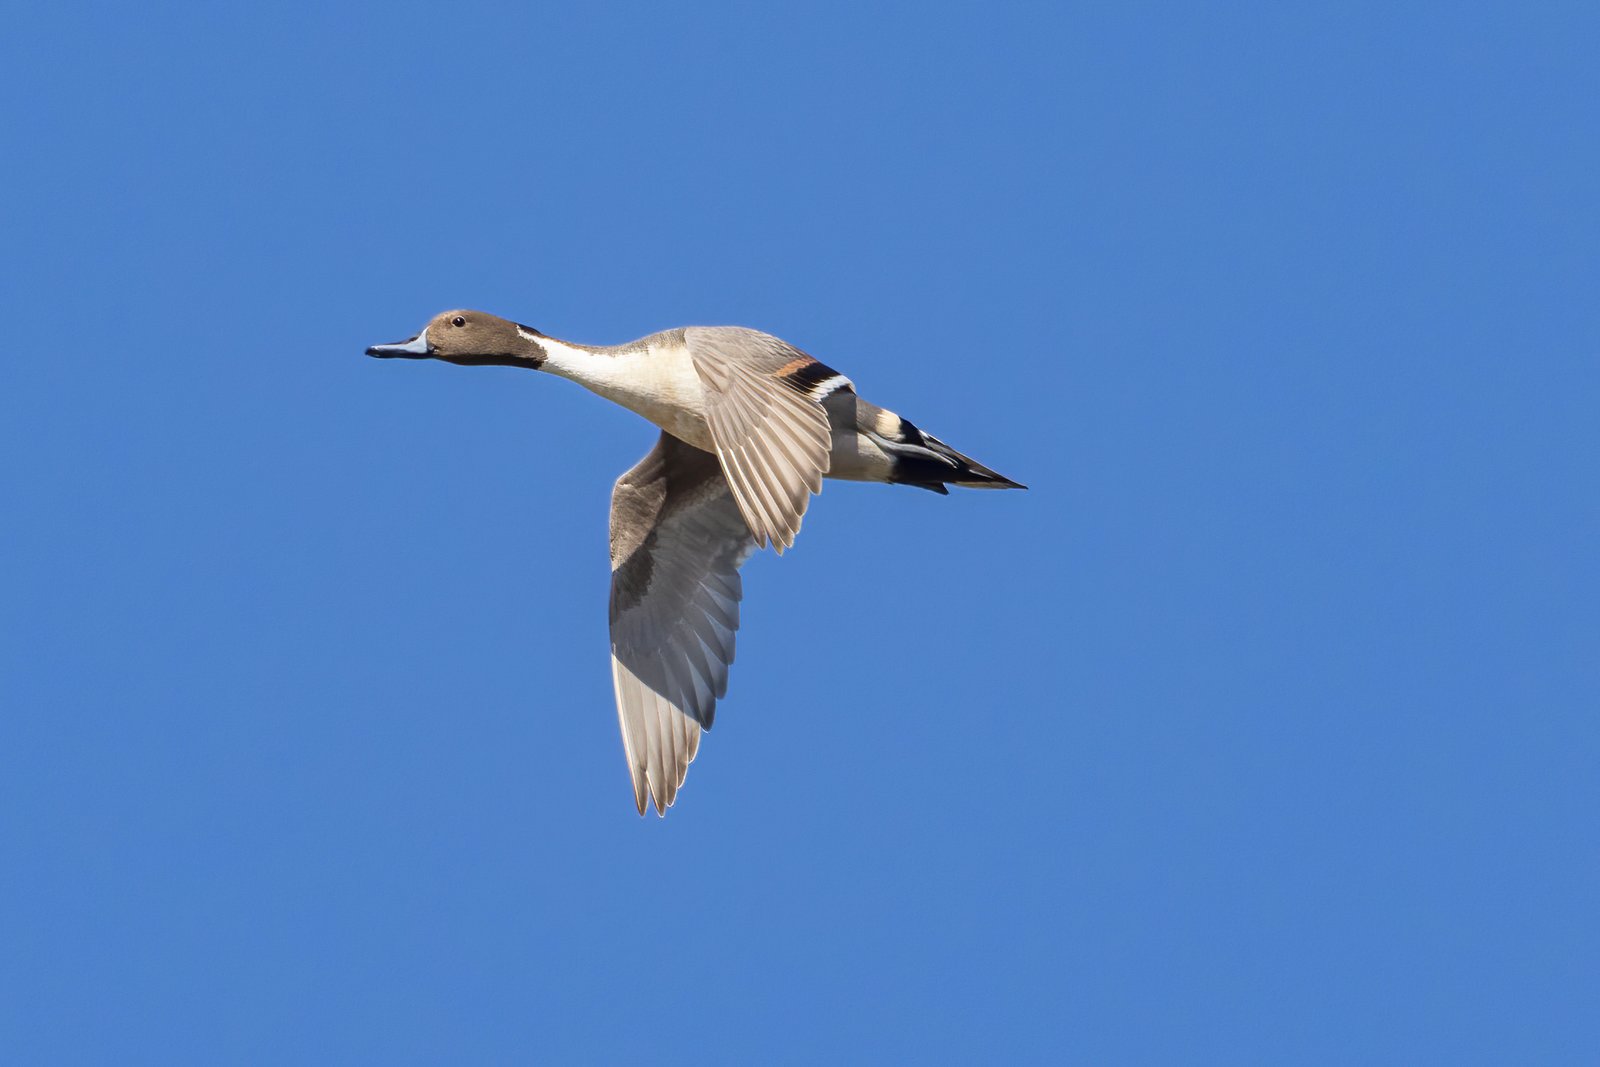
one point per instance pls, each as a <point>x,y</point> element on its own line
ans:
<point>568,360</point>
<point>658,382</point>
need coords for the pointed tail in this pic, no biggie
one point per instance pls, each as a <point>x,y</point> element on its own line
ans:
<point>922,460</point>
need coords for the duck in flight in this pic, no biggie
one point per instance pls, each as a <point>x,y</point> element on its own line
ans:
<point>750,425</point>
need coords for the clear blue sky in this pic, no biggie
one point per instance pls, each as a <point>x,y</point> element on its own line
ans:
<point>1261,730</point>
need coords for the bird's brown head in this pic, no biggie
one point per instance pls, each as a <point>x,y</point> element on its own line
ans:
<point>471,339</point>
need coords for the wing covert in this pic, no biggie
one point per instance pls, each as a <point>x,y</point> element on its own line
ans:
<point>770,430</point>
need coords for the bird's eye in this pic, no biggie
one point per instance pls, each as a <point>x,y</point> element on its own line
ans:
<point>458,321</point>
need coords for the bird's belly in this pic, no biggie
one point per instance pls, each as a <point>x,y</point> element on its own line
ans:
<point>688,427</point>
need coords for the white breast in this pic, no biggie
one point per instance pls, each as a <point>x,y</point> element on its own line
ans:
<point>657,379</point>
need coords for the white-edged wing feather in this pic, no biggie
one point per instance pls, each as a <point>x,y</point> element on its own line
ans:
<point>677,540</point>
<point>771,435</point>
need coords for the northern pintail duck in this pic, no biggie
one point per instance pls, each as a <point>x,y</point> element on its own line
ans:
<point>750,427</point>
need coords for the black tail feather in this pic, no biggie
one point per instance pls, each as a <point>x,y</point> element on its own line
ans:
<point>928,463</point>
